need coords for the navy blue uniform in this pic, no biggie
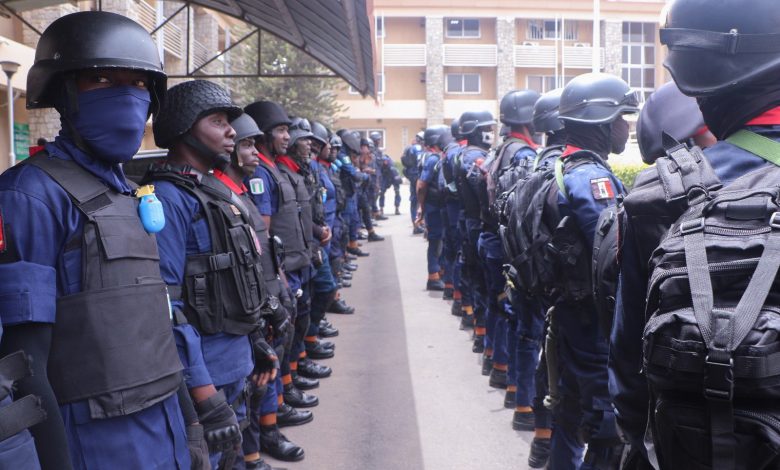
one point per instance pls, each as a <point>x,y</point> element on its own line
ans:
<point>453,211</point>
<point>412,173</point>
<point>582,348</point>
<point>628,386</point>
<point>41,222</point>
<point>433,211</point>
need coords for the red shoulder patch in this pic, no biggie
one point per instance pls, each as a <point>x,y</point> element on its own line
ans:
<point>2,234</point>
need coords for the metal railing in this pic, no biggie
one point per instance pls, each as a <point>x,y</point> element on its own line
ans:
<point>470,55</point>
<point>404,55</point>
<point>173,39</point>
<point>535,56</point>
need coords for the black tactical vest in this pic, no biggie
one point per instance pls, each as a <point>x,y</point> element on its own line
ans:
<point>286,222</point>
<point>224,288</point>
<point>112,342</point>
<point>268,257</point>
<point>304,198</point>
<point>467,192</point>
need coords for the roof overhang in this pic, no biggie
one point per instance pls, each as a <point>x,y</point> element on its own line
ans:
<point>337,33</point>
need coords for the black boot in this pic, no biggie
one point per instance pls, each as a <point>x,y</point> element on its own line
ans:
<point>466,322</point>
<point>540,453</point>
<point>479,345</point>
<point>448,293</point>
<point>303,383</point>
<point>373,237</point>
<point>286,415</point>
<point>275,444</point>
<point>434,285</point>
<point>328,331</point>
<point>457,308</point>
<point>340,307</point>
<point>312,370</point>
<point>497,378</point>
<point>258,464</point>
<point>298,399</point>
<point>318,350</point>
<point>510,399</point>
<point>487,365</point>
<point>523,421</point>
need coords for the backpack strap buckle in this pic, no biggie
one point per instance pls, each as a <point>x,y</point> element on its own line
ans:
<point>719,376</point>
<point>774,220</point>
<point>691,226</point>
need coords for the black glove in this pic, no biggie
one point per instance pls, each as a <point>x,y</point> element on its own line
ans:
<point>220,425</point>
<point>199,451</point>
<point>278,318</point>
<point>266,359</point>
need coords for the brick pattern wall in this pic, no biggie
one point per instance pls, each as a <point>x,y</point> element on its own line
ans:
<point>434,70</point>
<point>612,41</point>
<point>506,35</point>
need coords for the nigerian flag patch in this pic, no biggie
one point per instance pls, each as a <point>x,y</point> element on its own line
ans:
<point>256,186</point>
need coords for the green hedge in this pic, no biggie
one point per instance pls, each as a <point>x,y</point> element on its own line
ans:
<point>627,172</point>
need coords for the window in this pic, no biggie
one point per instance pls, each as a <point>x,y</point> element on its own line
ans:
<point>364,133</point>
<point>551,29</point>
<point>463,83</point>
<point>379,84</point>
<point>545,83</point>
<point>638,57</point>
<point>462,28</point>
<point>379,23</point>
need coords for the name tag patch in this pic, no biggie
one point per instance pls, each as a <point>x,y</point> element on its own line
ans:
<point>602,189</point>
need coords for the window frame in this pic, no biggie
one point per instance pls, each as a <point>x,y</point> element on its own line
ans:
<point>380,85</point>
<point>462,28</point>
<point>630,66</point>
<point>364,132</point>
<point>463,83</point>
<point>379,27</point>
<point>540,24</point>
<point>546,80</point>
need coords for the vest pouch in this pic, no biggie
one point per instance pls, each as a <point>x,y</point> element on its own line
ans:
<point>124,237</point>
<point>570,260</point>
<point>249,278</point>
<point>115,344</point>
<point>681,431</point>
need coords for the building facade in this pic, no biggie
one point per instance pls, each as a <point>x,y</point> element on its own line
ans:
<point>436,59</point>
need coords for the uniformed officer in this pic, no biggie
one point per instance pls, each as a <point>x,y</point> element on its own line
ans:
<point>737,90</point>
<point>410,161</point>
<point>282,205</point>
<point>431,201</point>
<point>453,211</point>
<point>389,174</point>
<point>80,273</point>
<point>517,150</point>
<point>477,128</point>
<point>342,268</point>
<point>591,108</point>
<point>367,189</point>
<point>265,412</point>
<point>352,178</point>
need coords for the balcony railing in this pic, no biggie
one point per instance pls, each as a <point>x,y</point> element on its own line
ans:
<point>470,55</point>
<point>404,55</point>
<point>535,56</point>
<point>581,57</point>
<point>173,39</point>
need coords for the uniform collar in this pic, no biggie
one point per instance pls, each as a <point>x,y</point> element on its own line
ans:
<point>111,175</point>
<point>524,138</point>
<point>570,149</point>
<point>227,181</point>
<point>266,160</point>
<point>768,118</point>
<point>323,162</point>
<point>289,163</point>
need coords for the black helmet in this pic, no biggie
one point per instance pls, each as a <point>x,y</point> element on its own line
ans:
<point>375,136</point>
<point>335,141</point>
<point>299,129</point>
<point>350,139</point>
<point>666,110</point>
<point>364,141</point>
<point>455,129</point>
<point>245,128</point>
<point>267,115</point>
<point>87,40</point>
<point>470,121</point>
<point>546,112</point>
<point>319,132</point>
<point>717,46</point>
<point>597,98</point>
<point>517,107</point>
<point>187,102</point>
<point>438,135</point>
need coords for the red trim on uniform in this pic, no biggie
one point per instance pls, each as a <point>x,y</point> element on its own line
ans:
<point>220,175</point>
<point>2,234</point>
<point>324,162</point>
<point>35,149</point>
<point>570,149</point>
<point>267,160</point>
<point>524,138</point>
<point>288,162</point>
<point>463,142</point>
<point>769,118</point>
<point>702,131</point>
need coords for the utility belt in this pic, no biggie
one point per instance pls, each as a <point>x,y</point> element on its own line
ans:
<point>24,412</point>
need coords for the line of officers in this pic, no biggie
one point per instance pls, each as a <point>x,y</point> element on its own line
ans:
<point>524,239</point>
<point>170,323</point>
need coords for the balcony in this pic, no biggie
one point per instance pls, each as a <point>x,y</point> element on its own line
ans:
<point>470,55</point>
<point>404,55</point>
<point>581,57</point>
<point>534,56</point>
<point>173,39</point>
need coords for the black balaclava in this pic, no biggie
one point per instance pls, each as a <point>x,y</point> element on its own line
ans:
<point>727,113</point>
<point>594,137</point>
<point>556,138</point>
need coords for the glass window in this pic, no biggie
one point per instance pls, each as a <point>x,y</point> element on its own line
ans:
<point>535,83</point>
<point>626,57</point>
<point>471,83</point>
<point>649,78</point>
<point>380,26</point>
<point>535,29</point>
<point>550,30</point>
<point>462,28</point>
<point>649,32</point>
<point>638,54</point>
<point>454,82</point>
<point>463,83</point>
<point>545,83</point>
<point>635,34</point>
<point>649,55</point>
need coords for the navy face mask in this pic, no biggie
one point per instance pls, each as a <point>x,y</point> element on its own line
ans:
<point>111,121</point>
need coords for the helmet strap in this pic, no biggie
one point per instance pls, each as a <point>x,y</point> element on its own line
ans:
<point>215,159</point>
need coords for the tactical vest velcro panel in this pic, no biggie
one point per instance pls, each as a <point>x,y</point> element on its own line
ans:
<point>268,257</point>
<point>286,223</point>
<point>304,199</point>
<point>112,342</point>
<point>224,288</point>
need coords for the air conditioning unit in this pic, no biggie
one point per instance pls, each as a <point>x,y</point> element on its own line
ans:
<point>529,43</point>
<point>581,44</point>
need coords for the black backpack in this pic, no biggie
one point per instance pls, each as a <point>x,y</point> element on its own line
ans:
<point>503,171</point>
<point>409,158</point>
<point>607,244</point>
<point>711,340</point>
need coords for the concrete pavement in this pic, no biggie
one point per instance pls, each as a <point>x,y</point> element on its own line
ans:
<point>406,391</point>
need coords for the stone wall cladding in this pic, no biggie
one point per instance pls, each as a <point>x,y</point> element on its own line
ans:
<point>612,41</point>
<point>434,70</point>
<point>506,36</point>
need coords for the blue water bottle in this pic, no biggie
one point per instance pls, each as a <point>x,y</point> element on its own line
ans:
<point>150,209</point>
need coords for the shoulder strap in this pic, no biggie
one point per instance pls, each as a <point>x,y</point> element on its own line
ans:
<point>560,166</point>
<point>84,188</point>
<point>685,173</point>
<point>559,176</point>
<point>757,144</point>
